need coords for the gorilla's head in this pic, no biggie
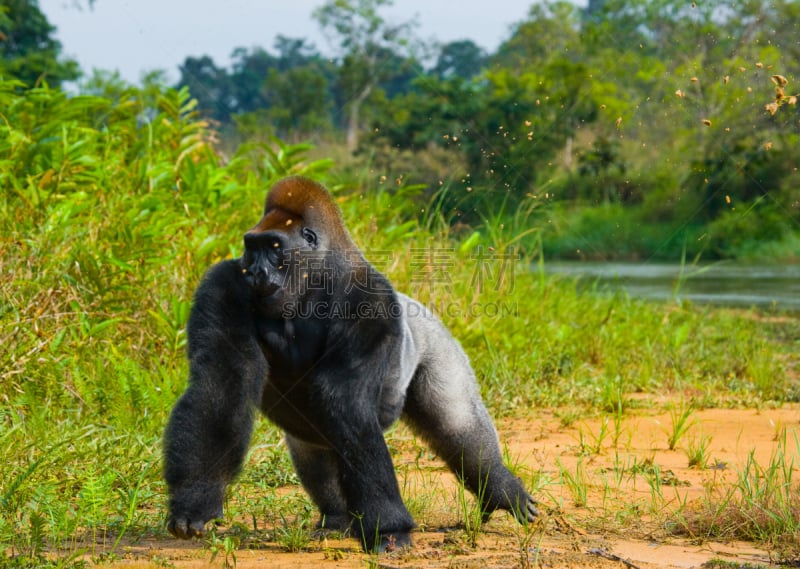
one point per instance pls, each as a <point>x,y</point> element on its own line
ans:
<point>300,236</point>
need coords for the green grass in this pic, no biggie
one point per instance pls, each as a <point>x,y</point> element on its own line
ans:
<point>579,230</point>
<point>761,504</point>
<point>576,482</point>
<point>111,210</point>
<point>697,452</point>
<point>681,422</point>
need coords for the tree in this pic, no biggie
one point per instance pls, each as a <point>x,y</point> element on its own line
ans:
<point>298,89</point>
<point>300,100</point>
<point>28,51</point>
<point>210,85</point>
<point>365,41</point>
<point>461,58</point>
<point>250,69</point>
<point>508,125</point>
<point>593,10</point>
<point>548,45</point>
<point>294,52</point>
<point>551,28</point>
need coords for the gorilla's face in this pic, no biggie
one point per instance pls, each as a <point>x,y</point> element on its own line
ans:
<point>273,260</point>
<point>265,262</point>
<point>295,251</point>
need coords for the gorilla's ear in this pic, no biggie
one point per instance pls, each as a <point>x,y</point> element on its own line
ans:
<point>310,236</point>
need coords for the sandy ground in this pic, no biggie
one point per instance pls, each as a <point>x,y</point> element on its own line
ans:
<point>621,524</point>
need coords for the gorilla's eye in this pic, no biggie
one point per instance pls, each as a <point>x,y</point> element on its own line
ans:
<point>310,236</point>
<point>275,253</point>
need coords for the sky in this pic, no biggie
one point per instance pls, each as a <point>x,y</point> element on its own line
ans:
<point>135,36</point>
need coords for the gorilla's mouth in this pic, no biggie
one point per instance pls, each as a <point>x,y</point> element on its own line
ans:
<point>258,278</point>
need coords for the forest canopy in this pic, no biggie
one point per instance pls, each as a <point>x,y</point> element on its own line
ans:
<point>629,129</point>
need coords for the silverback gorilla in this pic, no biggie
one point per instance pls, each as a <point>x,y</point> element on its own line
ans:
<point>305,329</point>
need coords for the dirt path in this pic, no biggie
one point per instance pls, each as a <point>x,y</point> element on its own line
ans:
<point>628,497</point>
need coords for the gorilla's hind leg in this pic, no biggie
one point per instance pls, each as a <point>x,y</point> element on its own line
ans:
<point>445,409</point>
<point>319,473</point>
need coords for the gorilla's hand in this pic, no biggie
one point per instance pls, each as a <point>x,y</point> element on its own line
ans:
<point>522,506</point>
<point>529,512</point>
<point>185,528</point>
<point>509,494</point>
<point>191,509</point>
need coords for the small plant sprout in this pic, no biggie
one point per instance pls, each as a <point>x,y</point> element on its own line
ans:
<point>576,482</point>
<point>617,418</point>
<point>472,514</point>
<point>681,422</point>
<point>225,546</point>
<point>779,431</point>
<point>697,451</point>
<point>294,536</point>
<point>526,533</point>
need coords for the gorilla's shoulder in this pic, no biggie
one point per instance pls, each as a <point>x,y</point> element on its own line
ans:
<point>427,330</point>
<point>224,269</point>
<point>222,307</point>
<point>413,309</point>
<point>223,283</point>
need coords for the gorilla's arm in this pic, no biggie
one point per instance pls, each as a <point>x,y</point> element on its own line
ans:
<point>210,426</point>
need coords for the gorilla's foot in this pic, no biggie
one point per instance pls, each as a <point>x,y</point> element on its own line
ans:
<point>334,522</point>
<point>510,495</point>
<point>392,542</point>
<point>185,528</point>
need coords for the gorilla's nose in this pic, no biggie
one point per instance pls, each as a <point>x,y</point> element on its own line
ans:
<point>260,279</point>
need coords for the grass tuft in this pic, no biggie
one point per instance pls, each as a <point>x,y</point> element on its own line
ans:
<point>761,505</point>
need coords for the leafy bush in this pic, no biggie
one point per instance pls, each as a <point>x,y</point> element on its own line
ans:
<point>608,231</point>
<point>110,210</point>
<point>745,229</point>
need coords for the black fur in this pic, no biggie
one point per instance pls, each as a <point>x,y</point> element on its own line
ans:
<point>333,357</point>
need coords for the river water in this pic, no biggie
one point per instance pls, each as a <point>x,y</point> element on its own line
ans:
<point>721,283</point>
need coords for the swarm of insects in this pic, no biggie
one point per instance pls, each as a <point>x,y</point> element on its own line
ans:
<point>781,98</point>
